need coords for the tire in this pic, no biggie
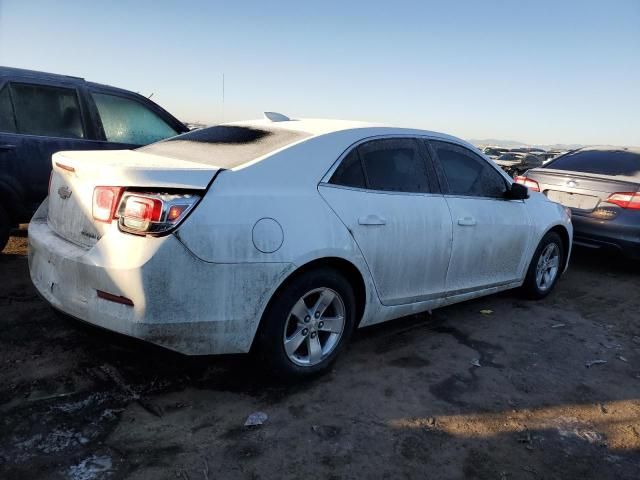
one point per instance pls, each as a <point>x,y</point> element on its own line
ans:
<point>280,324</point>
<point>5,228</point>
<point>532,286</point>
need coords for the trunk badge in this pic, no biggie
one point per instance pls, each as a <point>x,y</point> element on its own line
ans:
<point>64,192</point>
<point>572,184</point>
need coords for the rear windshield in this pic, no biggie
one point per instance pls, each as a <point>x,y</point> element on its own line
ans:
<point>224,146</point>
<point>602,162</point>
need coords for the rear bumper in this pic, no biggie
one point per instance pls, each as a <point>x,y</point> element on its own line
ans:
<point>595,233</point>
<point>180,302</point>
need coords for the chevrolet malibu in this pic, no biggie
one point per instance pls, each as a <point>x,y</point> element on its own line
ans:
<point>282,236</point>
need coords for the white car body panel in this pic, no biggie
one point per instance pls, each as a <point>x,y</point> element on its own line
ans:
<point>204,288</point>
<point>481,257</point>
<point>380,221</point>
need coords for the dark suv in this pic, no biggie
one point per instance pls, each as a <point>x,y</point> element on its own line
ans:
<point>43,113</point>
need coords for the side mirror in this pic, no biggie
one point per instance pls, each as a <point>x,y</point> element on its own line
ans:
<point>517,192</point>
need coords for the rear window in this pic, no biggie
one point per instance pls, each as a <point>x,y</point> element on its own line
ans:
<point>225,146</point>
<point>602,162</point>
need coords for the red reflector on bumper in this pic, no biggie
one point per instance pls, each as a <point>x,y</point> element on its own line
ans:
<point>114,298</point>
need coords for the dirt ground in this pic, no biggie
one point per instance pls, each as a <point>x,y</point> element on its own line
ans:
<point>458,394</point>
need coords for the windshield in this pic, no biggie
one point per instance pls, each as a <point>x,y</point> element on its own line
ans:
<point>225,146</point>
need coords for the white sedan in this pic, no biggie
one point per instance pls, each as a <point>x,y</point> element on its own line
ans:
<point>280,236</point>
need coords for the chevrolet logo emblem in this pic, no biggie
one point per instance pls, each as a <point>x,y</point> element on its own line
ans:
<point>64,192</point>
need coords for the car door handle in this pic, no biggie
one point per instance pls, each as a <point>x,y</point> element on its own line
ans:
<point>372,220</point>
<point>467,222</point>
<point>5,147</point>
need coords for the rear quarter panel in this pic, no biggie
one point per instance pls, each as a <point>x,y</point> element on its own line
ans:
<point>275,202</point>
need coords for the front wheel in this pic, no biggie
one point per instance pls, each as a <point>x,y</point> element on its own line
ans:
<point>545,267</point>
<point>307,324</point>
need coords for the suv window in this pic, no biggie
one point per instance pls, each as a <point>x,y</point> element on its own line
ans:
<point>47,111</point>
<point>394,164</point>
<point>602,162</point>
<point>467,173</point>
<point>128,121</point>
<point>7,120</point>
<point>350,172</point>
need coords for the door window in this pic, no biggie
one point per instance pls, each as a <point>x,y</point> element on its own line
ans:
<point>350,172</point>
<point>468,174</point>
<point>128,121</point>
<point>7,119</point>
<point>394,164</point>
<point>47,111</point>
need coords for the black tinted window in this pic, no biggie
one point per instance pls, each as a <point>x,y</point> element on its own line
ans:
<point>47,111</point>
<point>467,173</point>
<point>394,165</point>
<point>225,146</point>
<point>7,120</point>
<point>603,162</point>
<point>350,173</point>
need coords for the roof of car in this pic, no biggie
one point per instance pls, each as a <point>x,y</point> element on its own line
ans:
<point>37,75</point>
<point>323,126</point>
<point>21,72</point>
<point>312,126</point>
<point>610,148</point>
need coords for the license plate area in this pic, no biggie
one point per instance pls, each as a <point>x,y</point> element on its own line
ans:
<point>573,200</point>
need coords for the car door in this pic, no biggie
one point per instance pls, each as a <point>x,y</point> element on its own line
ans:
<point>47,117</point>
<point>490,232</point>
<point>8,173</point>
<point>386,193</point>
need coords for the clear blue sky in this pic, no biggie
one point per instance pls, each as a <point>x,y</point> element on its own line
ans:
<point>536,71</point>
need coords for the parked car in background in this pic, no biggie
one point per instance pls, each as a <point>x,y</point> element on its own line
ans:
<point>42,113</point>
<point>551,154</point>
<point>601,185</point>
<point>532,150</point>
<point>494,152</point>
<point>283,236</point>
<point>517,163</point>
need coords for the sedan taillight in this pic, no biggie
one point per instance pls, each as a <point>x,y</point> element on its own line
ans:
<point>527,182</point>
<point>153,213</point>
<point>142,213</point>
<point>629,200</point>
<point>105,201</point>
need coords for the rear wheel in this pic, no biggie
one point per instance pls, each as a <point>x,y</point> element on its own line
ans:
<point>5,228</point>
<point>545,267</point>
<point>307,324</point>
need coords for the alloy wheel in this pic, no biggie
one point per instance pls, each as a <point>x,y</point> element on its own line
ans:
<point>314,327</point>
<point>548,267</point>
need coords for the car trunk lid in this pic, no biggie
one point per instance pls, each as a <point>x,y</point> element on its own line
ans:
<point>76,174</point>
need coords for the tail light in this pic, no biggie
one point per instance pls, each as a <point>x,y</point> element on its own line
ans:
<point>629,200</point>
<point>153,213</point>
<point>527,182</point>
<point>105,201</point>
<point>142,213</point>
